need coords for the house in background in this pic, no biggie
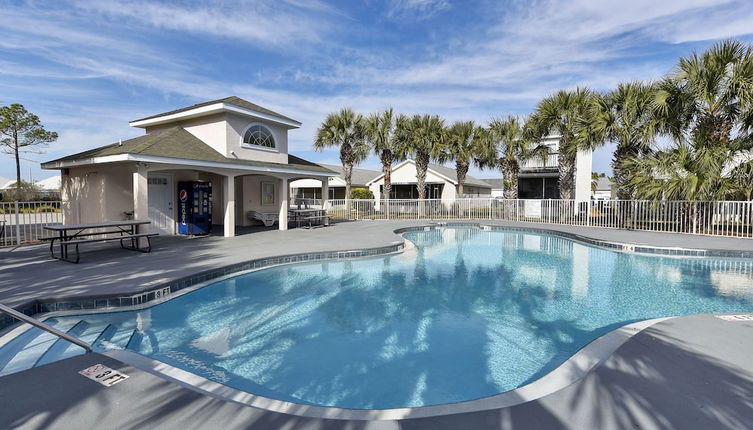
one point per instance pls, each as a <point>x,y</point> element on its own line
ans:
<point>441,183</point>
<point>46,188</point>
<point>605,189</point>
<point>238,147</point>
<point>50,187</point>
<point>539,179</point>
<point>311,189</point>
<point>498,187</point>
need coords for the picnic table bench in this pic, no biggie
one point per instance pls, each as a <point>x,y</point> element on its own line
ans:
<point>310,216</point>
<point>126,232</point>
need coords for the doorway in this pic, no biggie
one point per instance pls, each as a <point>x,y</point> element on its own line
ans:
<point>161,197</point>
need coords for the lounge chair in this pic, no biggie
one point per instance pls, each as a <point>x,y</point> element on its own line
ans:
<point>268,218</point>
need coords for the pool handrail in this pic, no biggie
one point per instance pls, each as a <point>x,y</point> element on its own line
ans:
<point>39,324</point>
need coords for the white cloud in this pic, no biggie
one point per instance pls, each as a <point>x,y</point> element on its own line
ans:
<point>416,8</point>
<point>488,70</point>
<point>273,23</point>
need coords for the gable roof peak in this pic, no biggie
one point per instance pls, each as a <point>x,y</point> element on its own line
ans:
<point>226,104</point>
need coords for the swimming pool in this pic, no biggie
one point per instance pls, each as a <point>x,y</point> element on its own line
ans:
<point>465,314</point>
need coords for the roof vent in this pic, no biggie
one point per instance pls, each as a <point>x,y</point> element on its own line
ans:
<point>120,142</point>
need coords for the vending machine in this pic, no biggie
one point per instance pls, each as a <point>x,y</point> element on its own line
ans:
<point>194,207</point>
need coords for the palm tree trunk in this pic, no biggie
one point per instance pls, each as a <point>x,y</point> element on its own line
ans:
<point>422,165</point>
<point>510,175</point>
<point>621,174</point>
<point>347,173</point>
<point>461,170</point>
<point>566,174</point>
<point>387,170</point>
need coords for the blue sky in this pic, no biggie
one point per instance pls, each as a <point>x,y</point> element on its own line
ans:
<point>87,67</point>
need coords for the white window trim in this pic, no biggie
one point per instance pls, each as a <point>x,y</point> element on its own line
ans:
<point>274,193</point>
<point>245,145</point>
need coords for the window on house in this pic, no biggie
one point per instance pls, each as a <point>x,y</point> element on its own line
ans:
<point>267,193</point>
<point>259,135</point>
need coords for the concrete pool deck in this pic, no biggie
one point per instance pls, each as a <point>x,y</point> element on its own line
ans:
<point>677,374</point>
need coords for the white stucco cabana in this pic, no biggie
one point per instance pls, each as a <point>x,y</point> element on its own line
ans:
<point>238,147</point>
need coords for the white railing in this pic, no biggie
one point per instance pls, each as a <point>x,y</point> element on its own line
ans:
<point>552,161</point>
<point>723,218</point>
<point>23,222</point>
<point>303,203</point>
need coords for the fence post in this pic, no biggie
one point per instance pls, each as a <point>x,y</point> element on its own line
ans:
<point>588,213</point>
<point>18,226</point>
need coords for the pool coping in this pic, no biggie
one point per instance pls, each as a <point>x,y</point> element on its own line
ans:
<point>163,291</point>
<point>569,372</point>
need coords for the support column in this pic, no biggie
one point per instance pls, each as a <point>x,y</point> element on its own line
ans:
<point>229,196</point>
<point>140,193</point>
<point>141,200</point>
<point>325,192</point>
<point>284,201</point>
<point>325,196</point>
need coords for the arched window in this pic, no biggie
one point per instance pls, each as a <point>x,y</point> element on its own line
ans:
<point>259,135</point>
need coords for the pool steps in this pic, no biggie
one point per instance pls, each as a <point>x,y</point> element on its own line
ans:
<point>36,347</point>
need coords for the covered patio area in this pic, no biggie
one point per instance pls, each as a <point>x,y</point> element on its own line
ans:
<point>136,180</point>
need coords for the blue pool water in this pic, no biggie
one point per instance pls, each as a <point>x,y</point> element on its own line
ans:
<point>465,314</point>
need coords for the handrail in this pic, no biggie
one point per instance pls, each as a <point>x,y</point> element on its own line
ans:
<point>36,323</point>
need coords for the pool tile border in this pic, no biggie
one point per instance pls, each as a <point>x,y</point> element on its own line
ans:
<point>620,246</point>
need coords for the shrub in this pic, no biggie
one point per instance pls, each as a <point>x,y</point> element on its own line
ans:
<point>361,193</point>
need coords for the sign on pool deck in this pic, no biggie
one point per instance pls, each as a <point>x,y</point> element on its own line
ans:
<point>103,374</point>
<point>748,317</point>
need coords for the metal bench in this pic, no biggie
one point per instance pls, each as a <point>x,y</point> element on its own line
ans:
<point>78,234</point>
<point>323,220</point>
<point>133,238</point>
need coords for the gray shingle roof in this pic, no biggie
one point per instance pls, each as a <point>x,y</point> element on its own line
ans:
<point>359,177</point>
<point>233,100</point>
<point>176,142</point>
<point>496,184</point>
<point>604,184</point>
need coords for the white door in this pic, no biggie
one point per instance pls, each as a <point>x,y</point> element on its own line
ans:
<point>161,195</point>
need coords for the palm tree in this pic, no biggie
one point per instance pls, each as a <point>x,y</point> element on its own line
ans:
<point>344,129</point>
<point>562,113</point>
<point>708,96</point>
<point>742,179</point>
<point>624,116</point>
<point>420,137</point>
<point>510,143</point>
<point>690,172</point>
<point>380,133</point>
<point>695,174</point>
<point>462,147</point>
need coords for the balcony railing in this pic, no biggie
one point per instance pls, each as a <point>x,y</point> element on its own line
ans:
<point>551,162</point>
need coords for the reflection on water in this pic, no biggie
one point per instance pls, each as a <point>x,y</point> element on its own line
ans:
<point>465,314</point>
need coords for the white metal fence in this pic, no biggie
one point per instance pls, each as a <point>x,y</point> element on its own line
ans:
<point>23,222</point>
<point>722,218</point>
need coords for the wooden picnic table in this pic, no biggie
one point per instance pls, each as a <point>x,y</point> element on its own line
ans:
<point>77,234</point>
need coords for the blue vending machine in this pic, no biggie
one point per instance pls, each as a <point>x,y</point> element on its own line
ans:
<point>194,207</point>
